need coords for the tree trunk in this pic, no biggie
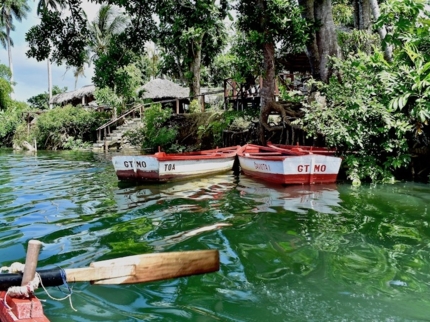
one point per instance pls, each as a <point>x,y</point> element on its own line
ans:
<point>362,18</point>
<point>312,46</point>
<point>323,43</point>
<point>196,48</point>
<point>49,82</point>
<point>268,89</point>
<point>9,52</point>
<point>388,50</point>
<point>362,15</point>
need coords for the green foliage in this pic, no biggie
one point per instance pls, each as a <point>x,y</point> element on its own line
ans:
<point>154,133</point>
<point>10,119</point>
<point>356,120</point>
<point>408,82</point>
<point>107,96</point>
<point>5,72</point>
<point>343,14</point>
<point>185,29</point>
<point>409,87</point>
<point>63,38</point>
<point>107,64</point>
<point>221,69</point>
<point>54,127</point>
<point>41,101</point>
<point>66,36</point>
<point>219,121</point>
<point>76,144</point>
<point>271,21</point>
<point>5,90</point>
<point>357,41</point>
<point>285,94</point>
<point>127,80</point>
<point>195,106</point>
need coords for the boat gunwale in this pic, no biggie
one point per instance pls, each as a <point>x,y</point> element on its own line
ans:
<point>218,153</point>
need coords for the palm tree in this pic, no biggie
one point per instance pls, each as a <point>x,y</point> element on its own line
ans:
<point>3,37</point>
<point>55,5</point>
<point>10,10</point>
<point>43,6</point>
<point>107,23</point>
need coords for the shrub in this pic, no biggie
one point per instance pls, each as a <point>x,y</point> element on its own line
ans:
<point>154,133</point>
<point>54,127</point>
<point>10,120</point>
<point>358,122</point>
<point>195,106</point>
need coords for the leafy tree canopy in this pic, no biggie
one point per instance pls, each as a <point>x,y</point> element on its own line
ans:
<point>41,101</point>
<point>65,37</point>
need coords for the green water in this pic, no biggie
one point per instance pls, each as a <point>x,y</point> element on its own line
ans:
<point>299,253</point>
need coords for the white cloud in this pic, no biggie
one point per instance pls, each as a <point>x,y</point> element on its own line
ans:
<point>31,76</point>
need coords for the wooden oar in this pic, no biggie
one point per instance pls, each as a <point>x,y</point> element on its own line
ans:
<point>127,270</point>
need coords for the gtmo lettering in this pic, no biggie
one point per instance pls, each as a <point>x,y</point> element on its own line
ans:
<point>317,168</point>
<point>139,164</point>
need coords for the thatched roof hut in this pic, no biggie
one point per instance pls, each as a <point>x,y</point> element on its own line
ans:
<point>163,89</point>
<point>82,96</point>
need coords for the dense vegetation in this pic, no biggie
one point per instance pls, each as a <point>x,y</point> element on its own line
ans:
<point>369,65</point>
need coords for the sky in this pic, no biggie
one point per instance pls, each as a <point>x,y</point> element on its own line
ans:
<point>31,76</point>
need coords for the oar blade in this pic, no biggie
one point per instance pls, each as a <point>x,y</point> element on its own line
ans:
<point>161,266</point>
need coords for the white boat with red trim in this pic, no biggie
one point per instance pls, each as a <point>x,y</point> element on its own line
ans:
<point>163,167</point>
<point>286,166</point>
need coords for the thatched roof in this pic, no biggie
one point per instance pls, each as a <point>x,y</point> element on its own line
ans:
<point>163,89</point>
<point>74,95</point>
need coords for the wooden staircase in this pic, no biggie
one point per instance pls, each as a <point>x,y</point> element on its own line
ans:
<point>115,140</point>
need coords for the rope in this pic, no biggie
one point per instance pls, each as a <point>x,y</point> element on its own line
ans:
<point>27,290</point>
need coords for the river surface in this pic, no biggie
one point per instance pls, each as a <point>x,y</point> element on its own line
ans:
<point>297,253</point>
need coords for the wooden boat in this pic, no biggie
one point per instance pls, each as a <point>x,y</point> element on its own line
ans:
<point>163,167</point>
<point>125,270</point>
<point>286,166</point>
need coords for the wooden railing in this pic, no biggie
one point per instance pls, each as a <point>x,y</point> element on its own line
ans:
<point>105,129</point>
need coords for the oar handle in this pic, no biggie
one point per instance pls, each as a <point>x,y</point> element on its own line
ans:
<point>50,277</point>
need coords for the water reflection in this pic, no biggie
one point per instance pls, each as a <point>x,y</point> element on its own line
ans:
<point>131,195</point>
<point>295,253</point>
<point>295,198</point>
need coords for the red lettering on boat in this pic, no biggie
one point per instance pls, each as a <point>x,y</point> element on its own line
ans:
<point>262,166</point>
<point>303,168</point>
<point>320,168</point>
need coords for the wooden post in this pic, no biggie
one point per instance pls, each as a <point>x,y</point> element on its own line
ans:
<point>177,106</point>
<point>203,103</point>
<point>31,261</point>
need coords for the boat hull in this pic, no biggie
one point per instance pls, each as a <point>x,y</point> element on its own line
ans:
<point>24,310</point>
<point>273,166</point>
<point>162,167</point>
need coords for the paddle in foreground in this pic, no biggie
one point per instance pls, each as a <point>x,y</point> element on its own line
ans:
<point>124,270</point>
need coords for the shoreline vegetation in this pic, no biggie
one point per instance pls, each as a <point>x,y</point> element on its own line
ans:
<point>356,80</point>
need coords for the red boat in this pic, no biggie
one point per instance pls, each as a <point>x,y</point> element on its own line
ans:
<point>288,166</point>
